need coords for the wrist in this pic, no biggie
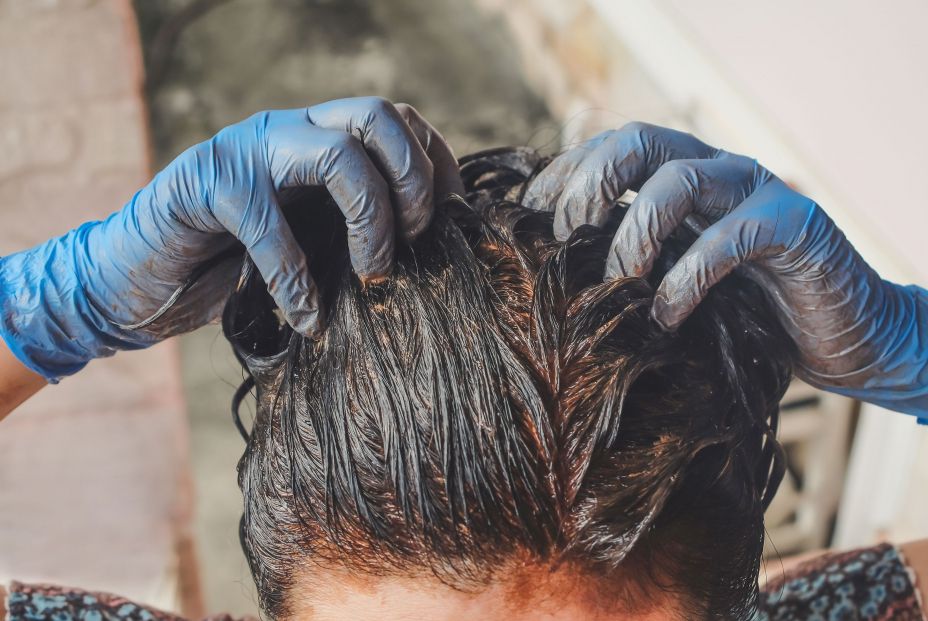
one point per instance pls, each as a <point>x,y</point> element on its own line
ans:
<point>892,350</point>
<point>901,370</point>
<point>17,382</point>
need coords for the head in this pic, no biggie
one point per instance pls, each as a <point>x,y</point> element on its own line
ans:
<point>494,431</point>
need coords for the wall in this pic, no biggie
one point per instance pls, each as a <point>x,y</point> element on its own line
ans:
<point>829,95</point>
<point>94,486</point>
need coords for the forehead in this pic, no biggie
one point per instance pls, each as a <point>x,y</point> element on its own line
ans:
<point>524,592</point>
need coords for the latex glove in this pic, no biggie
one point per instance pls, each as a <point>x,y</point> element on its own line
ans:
<point>857,334</point>
<point>82,296</point>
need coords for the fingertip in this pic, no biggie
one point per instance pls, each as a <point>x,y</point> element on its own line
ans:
<point>445,169</point>
<point>372,244</point>
<point>543,192</point>
<point>631,258</point>
<point>375,278</point>
<point>530,196</point>
<point>614,267</point>
<point>313,327</point>
<point>562,228</point>
<point>306,316</point>
<point>283,267</point>
<point>663,315</point>
<point>624,259</point>
<point>372,262</point>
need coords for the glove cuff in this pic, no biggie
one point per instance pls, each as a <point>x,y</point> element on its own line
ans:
<point>46,318</point>
<point>897,376</point>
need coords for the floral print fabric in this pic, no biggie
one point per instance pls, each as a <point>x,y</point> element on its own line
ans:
<point>42,602</point>
<point>869,584</point>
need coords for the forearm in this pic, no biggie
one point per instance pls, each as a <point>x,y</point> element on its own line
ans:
<point>17,382</point>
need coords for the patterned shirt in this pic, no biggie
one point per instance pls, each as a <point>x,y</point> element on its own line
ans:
<point>869,584</point>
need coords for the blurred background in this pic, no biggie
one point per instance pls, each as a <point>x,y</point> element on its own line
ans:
<point>123,478</point>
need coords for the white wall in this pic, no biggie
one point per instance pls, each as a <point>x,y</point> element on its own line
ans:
<point>846,83</point>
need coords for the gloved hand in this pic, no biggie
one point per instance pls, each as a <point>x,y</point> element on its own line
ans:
<point>857,334</point>
<point>91,291</point>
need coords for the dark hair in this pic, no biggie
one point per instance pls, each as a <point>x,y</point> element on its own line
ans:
<point>495,400</point>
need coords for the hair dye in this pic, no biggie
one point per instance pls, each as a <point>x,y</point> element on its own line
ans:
<point>495,400</point>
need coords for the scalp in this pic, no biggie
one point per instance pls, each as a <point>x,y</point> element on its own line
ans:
<point>494,402</point>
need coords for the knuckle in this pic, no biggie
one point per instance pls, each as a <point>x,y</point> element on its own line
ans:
<point>813,212</point>
<point>255,122</point>
<point>419,126</point>
<point>812,208</point>
<point>636,127</point>
<point>761,174</point>
<point>343,141</point>
<point>676,168</point>
<point>741,162</point>
<point>682,174</point>
<point>407,112</point>
<point>258,118</point>
<point>637,136</point>
<point>715,239</point>
<point>331,161</point>
<point>751,167</point>
<point>791,200</point>
<point>377,105</point>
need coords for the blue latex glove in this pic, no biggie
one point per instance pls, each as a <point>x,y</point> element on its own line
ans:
<point>84,295</point>
<point>857,334</point>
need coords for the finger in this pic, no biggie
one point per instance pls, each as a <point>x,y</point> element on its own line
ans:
<point>711,188</point>
<point>393,148</point>
<point>744,235</point>
<point>623,161</point>
<point>590,192</point>
<point>446,173</point>
<point>270,243</point>
<point>300,154</point>
<point>545,189</point>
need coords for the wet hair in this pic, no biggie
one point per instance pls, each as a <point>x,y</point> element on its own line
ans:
<point>496,401</point>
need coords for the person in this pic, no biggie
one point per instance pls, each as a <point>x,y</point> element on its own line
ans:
<point>496,433</point>
<point>134,279</point>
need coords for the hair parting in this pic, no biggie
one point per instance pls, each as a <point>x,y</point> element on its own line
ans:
<point>495,400</point>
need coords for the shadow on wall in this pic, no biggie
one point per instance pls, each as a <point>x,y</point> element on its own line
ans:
<point>212,67</point>
<point>214,62</point>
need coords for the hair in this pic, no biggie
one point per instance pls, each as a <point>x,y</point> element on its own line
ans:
<point>496,400</point>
